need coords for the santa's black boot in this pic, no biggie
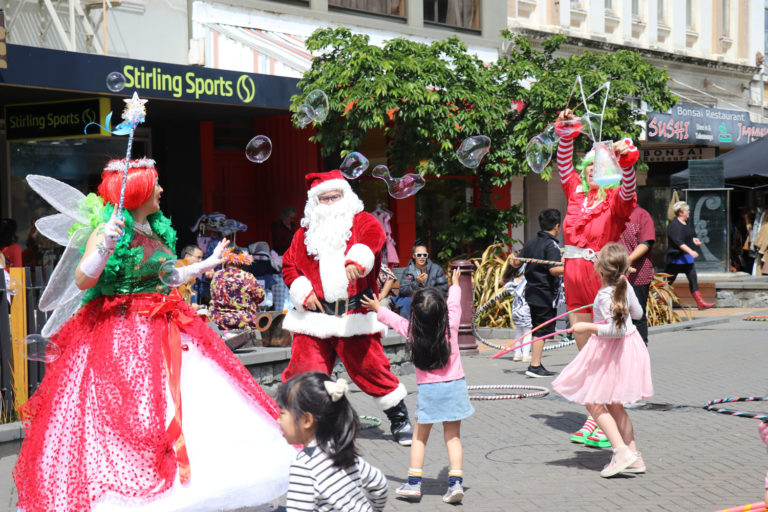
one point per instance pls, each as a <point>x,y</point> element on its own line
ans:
<point>400,426</point>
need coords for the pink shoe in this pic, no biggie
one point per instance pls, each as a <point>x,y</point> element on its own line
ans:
<point>622,458</point>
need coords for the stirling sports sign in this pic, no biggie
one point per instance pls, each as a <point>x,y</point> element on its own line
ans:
<point>54,69</point>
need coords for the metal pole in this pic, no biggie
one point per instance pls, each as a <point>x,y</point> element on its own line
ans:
<point>104,22</point>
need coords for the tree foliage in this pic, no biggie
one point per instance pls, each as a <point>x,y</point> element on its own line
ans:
<point>428,97</point>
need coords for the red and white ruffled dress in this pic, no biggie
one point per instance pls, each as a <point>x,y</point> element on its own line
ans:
<point>147,409</point>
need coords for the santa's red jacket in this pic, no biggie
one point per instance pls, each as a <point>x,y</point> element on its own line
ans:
<point>327,277</point>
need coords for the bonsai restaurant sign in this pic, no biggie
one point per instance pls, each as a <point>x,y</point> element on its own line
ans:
<point>55,120</point>
<point>692,124</point>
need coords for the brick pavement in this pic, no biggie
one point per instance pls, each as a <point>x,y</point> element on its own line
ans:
<point>517,454</point>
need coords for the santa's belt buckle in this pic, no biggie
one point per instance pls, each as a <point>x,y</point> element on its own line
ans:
<point>345,303</point>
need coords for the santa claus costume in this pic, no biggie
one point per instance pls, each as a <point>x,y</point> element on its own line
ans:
<point>332,237</point>
<point>105,430</point>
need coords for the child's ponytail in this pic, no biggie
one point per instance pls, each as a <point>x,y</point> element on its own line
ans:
<point>613,263</point>
<point>619,309</point>
<point>336,421</point>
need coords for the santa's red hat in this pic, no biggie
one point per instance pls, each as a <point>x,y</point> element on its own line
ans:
<point>322,182</point>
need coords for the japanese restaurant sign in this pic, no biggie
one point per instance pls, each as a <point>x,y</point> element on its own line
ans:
<point>692,124</point>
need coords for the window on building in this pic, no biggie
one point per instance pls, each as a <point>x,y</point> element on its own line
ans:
<point>660,12</point>
<point>689,14</point>
<point>608,5</point>
<point>394,8</point>
<point>453,13</point>
<point>725,17</point>
<point>635,8</point>
<point>575,4</point>
<point>765,25</point>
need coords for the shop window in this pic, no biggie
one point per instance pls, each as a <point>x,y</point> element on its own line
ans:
<point>436,204</point>
<point>395,8</point>
<point>77,162</point>
<point>464,14</point>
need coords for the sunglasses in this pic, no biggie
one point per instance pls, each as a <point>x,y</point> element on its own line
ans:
<point>329,199</point>
<point>421,254</point>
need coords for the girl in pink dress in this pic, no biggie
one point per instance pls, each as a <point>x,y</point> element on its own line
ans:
<point>613,368</point>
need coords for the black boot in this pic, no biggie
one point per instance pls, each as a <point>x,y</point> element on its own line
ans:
<point>400,426</point>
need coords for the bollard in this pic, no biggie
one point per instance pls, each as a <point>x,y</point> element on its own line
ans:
<point>467,342</point>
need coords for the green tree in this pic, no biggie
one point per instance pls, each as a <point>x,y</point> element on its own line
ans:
<point>428,97</point>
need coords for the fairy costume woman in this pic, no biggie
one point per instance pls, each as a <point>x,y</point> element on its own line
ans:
<point>105,430</point>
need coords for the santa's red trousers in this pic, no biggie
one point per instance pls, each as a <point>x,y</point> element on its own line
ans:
<point>362,356</point>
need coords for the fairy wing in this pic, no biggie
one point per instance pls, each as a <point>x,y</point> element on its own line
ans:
<point>61,315</point>
<point>55,227</point>
<point>61,287</point>
<point>61,196</point>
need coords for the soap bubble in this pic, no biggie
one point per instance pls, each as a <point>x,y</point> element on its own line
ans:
<point>354,165</point>
<point>399,188</point>
<point>472,150</point>
<point>258,149</point>
<point>591,122</point>
<point>169,274</point>
<point>38,348</point>
<point>569,128</point>
<point>315,108</point>
<point>14,286</point>
<point>318,102</point>
<point>538,151</point>
<point>115,81</point>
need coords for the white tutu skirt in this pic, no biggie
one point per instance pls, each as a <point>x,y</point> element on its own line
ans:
<point>238,456</point>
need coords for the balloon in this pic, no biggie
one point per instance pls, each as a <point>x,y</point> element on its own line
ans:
<point>115,81</point>
<point>315,108</point>
<point>354,165</point>
<point>399,188</point>
<point>606,170</point>
<point>258,149</point>
<point>169,274</point>
<point>472,150</point>
<point>538,151</point>
<point>39,348</point>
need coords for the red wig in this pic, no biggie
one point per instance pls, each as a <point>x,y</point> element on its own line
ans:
<point>142,177</point>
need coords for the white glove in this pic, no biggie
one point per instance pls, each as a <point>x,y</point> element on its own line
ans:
<point>112,233</point>
<point>93,265</point>
<point>184,274</point>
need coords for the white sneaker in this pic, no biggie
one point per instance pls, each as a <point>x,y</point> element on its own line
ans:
<point>518,357</point>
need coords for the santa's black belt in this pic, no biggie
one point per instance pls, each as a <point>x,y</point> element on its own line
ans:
<point>342,306</point>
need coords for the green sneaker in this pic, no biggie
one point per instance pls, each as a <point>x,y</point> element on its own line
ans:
<point>580,436</point>
<point>597,440</point>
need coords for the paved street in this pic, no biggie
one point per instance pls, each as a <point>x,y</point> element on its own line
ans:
<point>518,457</point>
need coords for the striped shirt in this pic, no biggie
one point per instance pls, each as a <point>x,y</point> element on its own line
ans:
<point>315,484</point>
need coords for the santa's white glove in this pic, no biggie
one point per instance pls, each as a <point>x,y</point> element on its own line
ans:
<point>195,270</point>
<point>93,265</point>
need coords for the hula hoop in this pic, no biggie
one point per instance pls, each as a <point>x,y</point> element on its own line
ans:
<point>757,318</point>
<point>374,422</point>
<point>537,391</point>
<point>502,294</point>
<point>751,415</point>
<point>758,506</point>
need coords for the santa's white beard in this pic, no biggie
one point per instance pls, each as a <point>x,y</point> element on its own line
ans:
<point>328,228</point>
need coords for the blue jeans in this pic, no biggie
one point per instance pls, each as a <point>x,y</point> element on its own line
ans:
<point>404,303</point>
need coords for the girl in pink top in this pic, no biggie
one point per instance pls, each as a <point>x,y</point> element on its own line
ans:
<point>433,346</point>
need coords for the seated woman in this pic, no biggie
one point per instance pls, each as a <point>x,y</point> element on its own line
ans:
<point>235,293</point>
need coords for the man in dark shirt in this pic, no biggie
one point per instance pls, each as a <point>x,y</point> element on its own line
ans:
<point>542,283</point>
<point>283,230</point>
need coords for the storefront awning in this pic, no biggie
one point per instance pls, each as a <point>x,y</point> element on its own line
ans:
<point>80,72</point>
<point>740,164</point>
<point>277,48</point>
